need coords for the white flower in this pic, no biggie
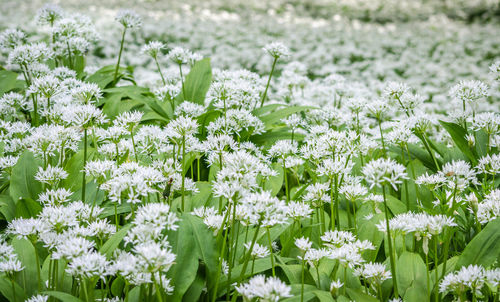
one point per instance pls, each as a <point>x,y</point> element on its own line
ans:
<point>471,277</point>
<point>153,48</point>
<point>303,243</point>
<point>88,265</point>
<point>269,289</point>
<point>382,171</point>
<point>277,50</point>
<point>51,175</point>
<point>374,272</point>
<point>129,18</point>
<point>489,208</point>
<point>469,91</point>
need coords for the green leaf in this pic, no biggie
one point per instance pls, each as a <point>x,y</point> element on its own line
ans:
<point>205,245</point>
<point>483,249</point>
<point>117,286</point>
<point>22,181</point>
<point>323,296</point>
<point>275,183</point>
<point>27,208</point>
<point>200,199</point>
<point>104,76</point>
<point>65,297</point>
<point>114,241</point>
<point>183,272</point>
<point>276,116</point>
<point>197,82</point>
<point>458,134</point>
<point>195,290</point>
<point>7,207</point>
<point>26,254</point>
<point>6,290</point>
<point>359,296</point>
<point>8,81</point>
<point>74,168</point>
<point>414,272</point>
<point>270,137</point>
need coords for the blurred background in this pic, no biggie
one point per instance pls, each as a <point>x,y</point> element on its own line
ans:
<point>429,44</point>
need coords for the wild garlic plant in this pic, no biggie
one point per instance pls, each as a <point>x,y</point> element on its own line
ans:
<point>226,185</point>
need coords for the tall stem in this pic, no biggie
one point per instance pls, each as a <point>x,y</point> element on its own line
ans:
<point>436,296</point>
<point>245,264</point>
<point>183,172</point>
<point>389,241</point>
<point>271,250</point>
<point>381,137</point>
<point>286,182</point>
<point>302,281</point>
<point>119,55</point>
<point>268,82</point>
<point>13,288</point>
<point>159,71</point>
<point>133,144</point>
<point>84,163</point>
<point>182,82</point>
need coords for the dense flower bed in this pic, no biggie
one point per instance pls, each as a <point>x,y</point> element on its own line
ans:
<point>349,162</point>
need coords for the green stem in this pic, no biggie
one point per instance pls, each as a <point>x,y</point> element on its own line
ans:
<point>436,296</point>
<point>13,288</point>
<point>84,163</point>
<point>133,144</point>
<point>183,170</point>
<point>119,55</point>
<point>286,182</point>
<point>271,250</point>
<point>302,281</point>
<point>389,241</point>
<point>245,264</point>
<point>182,83</point>
<point>268,82</point>
<point>116,216</point>
<point>382,137</point>
<point>157,287</point>
<point>159,71</point>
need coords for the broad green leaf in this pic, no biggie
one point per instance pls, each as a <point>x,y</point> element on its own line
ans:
<point>458,134</point>
<point>278,115</point>
<point>117,286</point>
<point>296,293</point>
<point>483,249</point>
<point>61,296</point>
<point>8,81</point>
<point>195,290</point>
<point>395,205</point>
<point>74,168</point>
<point>197,82</point>
<point>270,137</point>
<point>27,208</point>
<point>359,296</point>
<point>205,245</point>
<point>412,272</point>
<point>184,271</point>
<point>104,76</point>
<point>200,199</point>
<point>63,277</point>
<point>22,181</point>
<point>265,109</point>
<point>26,254</point>
<point>323,296</point>
<point>114,241</point>
<point>7,207</point>
<point>6,290</point>
<point>275,183</point>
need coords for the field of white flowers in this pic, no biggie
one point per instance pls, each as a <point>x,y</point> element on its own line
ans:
<point>250,150</point>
